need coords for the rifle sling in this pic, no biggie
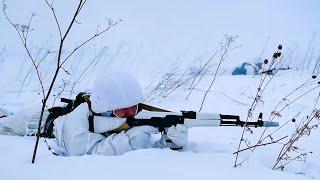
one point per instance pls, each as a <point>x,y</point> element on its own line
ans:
<point>91,117</point>
<point>142,106</point>
<point>91,125</point>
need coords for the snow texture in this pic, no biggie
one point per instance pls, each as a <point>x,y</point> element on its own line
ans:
<point>154,37</point>
<point>208,153</point>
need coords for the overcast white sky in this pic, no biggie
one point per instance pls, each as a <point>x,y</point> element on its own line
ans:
<point>160,31</point>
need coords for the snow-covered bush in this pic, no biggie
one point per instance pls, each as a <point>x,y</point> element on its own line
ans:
<point>247,69</point>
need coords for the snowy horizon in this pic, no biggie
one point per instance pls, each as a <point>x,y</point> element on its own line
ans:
<point>164,44</point>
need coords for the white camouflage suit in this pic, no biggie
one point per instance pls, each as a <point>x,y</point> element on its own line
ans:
<point>72,135</point>
<point>109,92</point>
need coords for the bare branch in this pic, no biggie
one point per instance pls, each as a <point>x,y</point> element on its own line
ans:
<point>203,70</point>
<point>257,98</point>
<point>90,39</point>
<point>62,90</point>
<point>302,131</point>
<point>55,17</point>
<point>80,5</point>
<point>257,145</point>
<point>23,39</point>
<point>29,27</point>
<point>226,47</point>
<point>287,105</point>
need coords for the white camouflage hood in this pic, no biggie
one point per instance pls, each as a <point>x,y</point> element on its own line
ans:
<point>115,91</point>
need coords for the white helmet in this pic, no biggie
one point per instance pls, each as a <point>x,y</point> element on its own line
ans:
<point>115,90</point>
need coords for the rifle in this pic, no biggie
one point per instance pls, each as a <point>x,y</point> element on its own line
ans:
<point>164,120</point>
<point>156,117</point>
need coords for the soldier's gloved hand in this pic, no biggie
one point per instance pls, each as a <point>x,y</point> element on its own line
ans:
<point>139,136</point>
<point>178,134</point>
<point>141,129</point>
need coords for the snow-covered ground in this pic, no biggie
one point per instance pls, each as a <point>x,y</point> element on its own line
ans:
<point>153,38</point>
<point>209,151</point>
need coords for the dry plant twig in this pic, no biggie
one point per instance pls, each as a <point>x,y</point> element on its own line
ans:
<point>257,99</point>
<point>225,48</point>
<point>23,31</point>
